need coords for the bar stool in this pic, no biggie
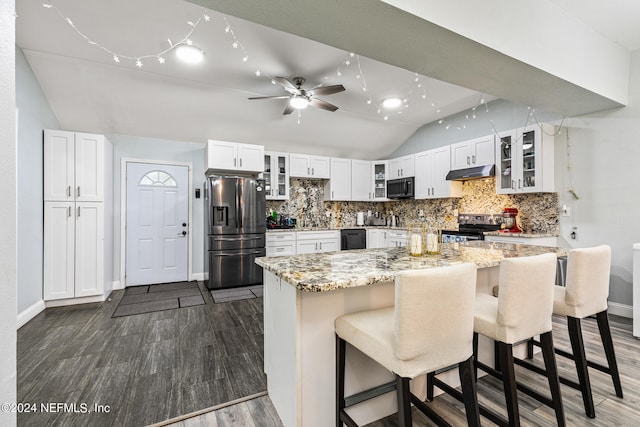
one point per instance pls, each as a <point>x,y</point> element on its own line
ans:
<point>522,310</point>
<point>430,327</point>
<point>586,295</point>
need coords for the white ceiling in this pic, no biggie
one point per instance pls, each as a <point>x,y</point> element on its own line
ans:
<point>88,91</point>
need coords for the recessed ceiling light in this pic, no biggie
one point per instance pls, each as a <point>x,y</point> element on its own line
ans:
<point>299,102</point>
<point>189,53</point>
<point>391,103</point>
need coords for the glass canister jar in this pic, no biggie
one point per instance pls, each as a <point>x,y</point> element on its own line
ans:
<point>433,240</point>
<point>416,239</point>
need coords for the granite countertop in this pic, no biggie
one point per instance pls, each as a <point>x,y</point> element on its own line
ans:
<point>366,227</point>
<point>347,269</point>
<point>523,234</point>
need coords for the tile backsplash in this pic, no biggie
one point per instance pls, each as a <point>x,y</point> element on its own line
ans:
<point>538,212</point>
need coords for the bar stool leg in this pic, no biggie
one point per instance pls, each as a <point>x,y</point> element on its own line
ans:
<point>403,395</point>
<point>505,359</point>
<point>580,358</point>
<point>430,386</point>
<point>475,356</point>
<point>530,348</point>
<point>607,342</point>
<point>340,361</point>
<point>546,341</point>
<point>469,395</point>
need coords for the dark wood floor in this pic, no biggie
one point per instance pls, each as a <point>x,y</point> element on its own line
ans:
<point>147,368</point>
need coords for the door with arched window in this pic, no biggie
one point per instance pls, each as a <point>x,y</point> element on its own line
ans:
<point>157,214</point>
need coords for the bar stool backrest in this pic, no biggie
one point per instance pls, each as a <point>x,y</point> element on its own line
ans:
<point>525,302</point>
<point>434,313</point>
<point>588,271</point>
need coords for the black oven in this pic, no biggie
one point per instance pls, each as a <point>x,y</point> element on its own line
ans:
<point>402,188</point>
<point>472,227</point>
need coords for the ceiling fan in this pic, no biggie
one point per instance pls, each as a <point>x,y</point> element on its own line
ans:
<point>300,98</point>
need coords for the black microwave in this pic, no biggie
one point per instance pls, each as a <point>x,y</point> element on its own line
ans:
<point>401,188</point>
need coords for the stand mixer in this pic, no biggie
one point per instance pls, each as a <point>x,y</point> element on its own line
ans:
<point>509,220</point>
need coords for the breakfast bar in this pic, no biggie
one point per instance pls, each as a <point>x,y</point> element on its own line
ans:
<point>303,294</point>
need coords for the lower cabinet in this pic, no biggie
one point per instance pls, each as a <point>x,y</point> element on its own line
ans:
<point>74,250</point>
<point>281,243</point>
<point>309,242</point>
<point>376,239</point>
<point>396,238</point>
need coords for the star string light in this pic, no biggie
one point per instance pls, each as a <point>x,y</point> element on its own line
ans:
<point>117,57</point>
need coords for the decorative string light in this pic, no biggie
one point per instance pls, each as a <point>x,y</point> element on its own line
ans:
<point>136,59</point>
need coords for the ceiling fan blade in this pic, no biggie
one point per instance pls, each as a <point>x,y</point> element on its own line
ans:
<point>288,110</point>
<point>323,105</point>
<point>327,90</point>
<point>271,97</point>
<point>287,85</point>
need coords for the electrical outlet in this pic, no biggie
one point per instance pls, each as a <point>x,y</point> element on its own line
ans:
<point>455,212</point>
<point>566,210</point>
<point>420,212</point>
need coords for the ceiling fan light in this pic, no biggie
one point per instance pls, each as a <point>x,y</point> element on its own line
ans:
<point>189,53</point>
<point>391,103</point>
<point>299,102</point>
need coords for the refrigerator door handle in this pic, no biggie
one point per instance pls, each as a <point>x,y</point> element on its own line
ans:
<point>235,239</point>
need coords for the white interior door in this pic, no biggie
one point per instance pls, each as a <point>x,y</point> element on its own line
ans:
<point>157,214</point>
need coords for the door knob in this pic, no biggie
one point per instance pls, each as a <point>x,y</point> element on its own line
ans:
<point>184,224</point>
<point>184,233</point>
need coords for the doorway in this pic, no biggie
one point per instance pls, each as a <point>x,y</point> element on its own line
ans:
<point>156,223</point>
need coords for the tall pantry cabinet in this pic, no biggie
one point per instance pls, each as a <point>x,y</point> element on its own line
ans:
<point>78,216</point>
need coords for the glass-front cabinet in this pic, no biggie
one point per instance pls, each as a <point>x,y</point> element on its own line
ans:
<point>380,169</point>
<point>525,162</point>
<point>276,175</point>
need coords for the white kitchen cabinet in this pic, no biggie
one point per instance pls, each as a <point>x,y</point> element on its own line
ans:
<point>377,238</point>
<point>432,167</point>
<point>78,216</point>
<point>525,160</point>
<point>338,187</point>
<point>306,166</point>
<point>276,175</point>
<point>475,152</point>
<point>396,238</point>
<point>401,167</point>
<point>361,176</point>
<point>281,243</point>
<point>379,169</point>
<point>225,156</point>
<point>308,242</point>
<point>536,241</point>
<point>75,165</point>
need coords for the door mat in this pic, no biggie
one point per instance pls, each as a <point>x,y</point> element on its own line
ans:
<point>235,294</point>
<point>166,296</point>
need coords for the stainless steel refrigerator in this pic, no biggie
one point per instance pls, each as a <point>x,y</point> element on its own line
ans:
<point>235,223</point>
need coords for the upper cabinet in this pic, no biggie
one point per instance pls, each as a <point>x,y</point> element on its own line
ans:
<point>233,156</point>
<point>475,152</point>
<point>379,169</point>
<point>432,167</point>
<point>74,166</point>
<point>276,175</point>
<point>525,160</point>
<point>339,185</point>
<point>306,166</point>
<point>402,167</point>
<point>361,187</point>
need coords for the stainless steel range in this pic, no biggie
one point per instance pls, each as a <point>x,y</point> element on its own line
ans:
<point>472,227</point>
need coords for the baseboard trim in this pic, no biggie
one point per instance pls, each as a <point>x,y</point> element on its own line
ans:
<point>74,301</point>
<point>198,276</point>
<point>117,285</point>
<point>622,310</point>
<point>31,312</point>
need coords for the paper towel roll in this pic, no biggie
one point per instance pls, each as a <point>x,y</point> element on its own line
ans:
<point>360,218</point>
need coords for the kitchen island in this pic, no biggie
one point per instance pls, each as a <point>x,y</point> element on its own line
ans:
<point>303,295</point>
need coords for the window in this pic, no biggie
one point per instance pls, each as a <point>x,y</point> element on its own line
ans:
<point>158,178</point>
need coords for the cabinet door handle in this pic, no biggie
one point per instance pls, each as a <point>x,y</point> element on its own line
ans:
<point>513,184</point>
<point>280,249</point>
<point>308,171</point>
<point>313,171</point>
<point>433,191</point>
<point>240,161</point>
<point>69,212</point>
<point>468,160</point>
<point>398,172</point>
<point>320,245</point>
<point>78,211</point>
<point>234,161</point>
<point>78,191</point>
<point>519,183</point>
<point>69,191</point>
<point>473,159</point>
<point>332,194</point>
<point>401,172</point>
<point>316,246</point>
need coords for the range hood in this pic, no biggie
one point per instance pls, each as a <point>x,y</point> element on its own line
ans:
<point>471,173</point>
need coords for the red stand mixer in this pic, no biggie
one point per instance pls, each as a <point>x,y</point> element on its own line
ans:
<point>509,220</point>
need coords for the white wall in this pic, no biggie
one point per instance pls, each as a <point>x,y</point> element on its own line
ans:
<point>605,158</point>
<point>35,115</point>
<point>132,147</point>
<point>8,255</point>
